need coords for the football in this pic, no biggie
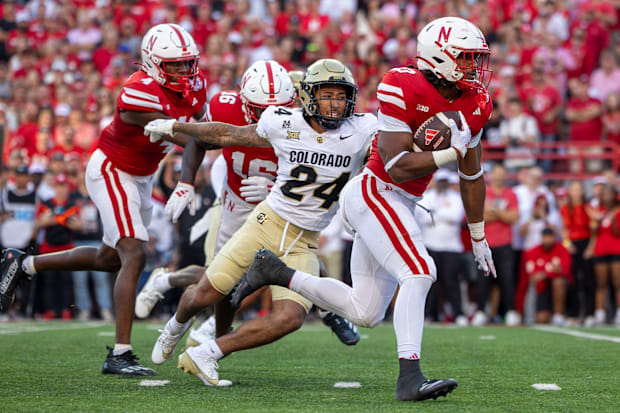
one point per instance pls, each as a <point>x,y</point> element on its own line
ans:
<point>434,133</point>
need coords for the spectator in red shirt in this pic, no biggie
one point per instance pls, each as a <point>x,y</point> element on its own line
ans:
<point>501,210</point>
<point>584,116</point>
<point>576,215</point>
<point>103,54</point>
<point>544,102</point>
<point>548,267</point>
<point>604,247</point>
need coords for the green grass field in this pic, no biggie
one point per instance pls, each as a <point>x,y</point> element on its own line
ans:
<point>55,367</point>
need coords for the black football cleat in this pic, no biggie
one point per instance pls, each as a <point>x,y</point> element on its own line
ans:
<point>11,275</point>
<point>429,389</point>
<point>345,330</point>
<point>125,364</point>
<point>267,269</point>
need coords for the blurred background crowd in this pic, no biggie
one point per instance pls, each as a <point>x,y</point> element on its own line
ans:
<point>552,146</point>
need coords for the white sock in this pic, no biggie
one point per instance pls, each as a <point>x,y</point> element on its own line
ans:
<point>409,316</point>
<point>162,283</point>
<point>28,265</point>
<point>208,325</point>
<point>213,349</point>
<point>120,349</point>
<point>327,293</point>
<point>174,327</point>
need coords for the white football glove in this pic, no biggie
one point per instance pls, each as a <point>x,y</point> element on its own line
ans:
<point>182,195</point>
<point>155,129</point>
<point>255,188</point>
<point>483,256</point>
<point>460,137</point>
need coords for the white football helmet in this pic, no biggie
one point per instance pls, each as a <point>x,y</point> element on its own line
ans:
<point>265,83</point>
<point>167,43</point>
<point>444,40</point>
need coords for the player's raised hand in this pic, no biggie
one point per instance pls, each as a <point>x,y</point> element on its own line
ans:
<point>483,256</point>
<point>460,137</point>
<point>159,127</point>
<point>255,188</point>
<point>182,196</point>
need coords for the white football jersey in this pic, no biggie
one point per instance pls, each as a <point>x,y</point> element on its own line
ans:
<point>313,167</point>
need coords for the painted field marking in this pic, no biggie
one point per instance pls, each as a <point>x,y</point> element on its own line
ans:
<point>153,383</point>
<point>546,386</point>
<point>580,334</point>
<point>487,337</point>
<point>106,333</point>
<point>348,384</point>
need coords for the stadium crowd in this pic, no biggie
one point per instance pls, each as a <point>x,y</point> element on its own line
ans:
<point>556,79</point>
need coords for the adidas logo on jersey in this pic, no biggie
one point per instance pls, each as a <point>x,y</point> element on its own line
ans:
<point>194,101</point>
<point>477,112</point>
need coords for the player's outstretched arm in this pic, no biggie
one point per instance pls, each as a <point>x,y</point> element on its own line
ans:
<point>214,133</point>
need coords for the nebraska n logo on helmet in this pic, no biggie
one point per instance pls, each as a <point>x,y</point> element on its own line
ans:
<point>265,83</point>
<point>327,72</point>
<point>169,43</point>
<point>455,50</point>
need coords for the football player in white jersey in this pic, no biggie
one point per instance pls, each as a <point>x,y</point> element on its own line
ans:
<point>319,148</point>
<point>388,251</point>
<point>248,177</point>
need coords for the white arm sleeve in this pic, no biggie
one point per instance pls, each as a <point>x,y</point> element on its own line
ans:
<point>218,175</point>
<point>392,124</point>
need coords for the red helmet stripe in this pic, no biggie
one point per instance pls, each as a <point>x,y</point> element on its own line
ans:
<point>272,90</point>
<point>178,32</point>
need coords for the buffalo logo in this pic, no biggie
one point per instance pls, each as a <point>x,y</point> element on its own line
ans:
<point>261,218</point>
<point>429,135</point>
<point>292,135</point>
<point>319,139</point>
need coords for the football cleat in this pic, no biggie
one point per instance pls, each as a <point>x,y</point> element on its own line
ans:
<point>166,343</point>
<point>125,364</point>
<point>345,330</point>
<point>11,275</point>
<point>202,334</point>
<point>149,296</point>
<point>267,269</point>
<point>429,389</point>
<point>199,364</point>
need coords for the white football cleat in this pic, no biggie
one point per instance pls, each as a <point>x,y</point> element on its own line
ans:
<point>201,365</point>
<point>600,317</point>
<point>166,343</point>
<point>202,334</point>
<point>149,296</point>
<point>617,319</point>
<point>513,318</point>
<point>589,322</point>
<point>480,319</point>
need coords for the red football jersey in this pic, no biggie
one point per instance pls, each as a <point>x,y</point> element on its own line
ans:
<point>406,100</point>
<point>125,145</point>
<point>241,161</point>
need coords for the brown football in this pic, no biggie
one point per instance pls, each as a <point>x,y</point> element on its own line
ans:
<point>434,133</point>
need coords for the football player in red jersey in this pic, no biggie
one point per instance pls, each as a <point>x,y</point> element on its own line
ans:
<point>119,181</point>
<point>378,204</point>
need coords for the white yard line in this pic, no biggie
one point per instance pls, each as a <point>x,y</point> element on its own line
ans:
<point>580,334</point>
<point>36,328</point>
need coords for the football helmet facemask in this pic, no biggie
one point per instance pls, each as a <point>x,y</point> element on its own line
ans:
<point>165,44</point>
<point>455,50</point>
<point>327,72</point>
